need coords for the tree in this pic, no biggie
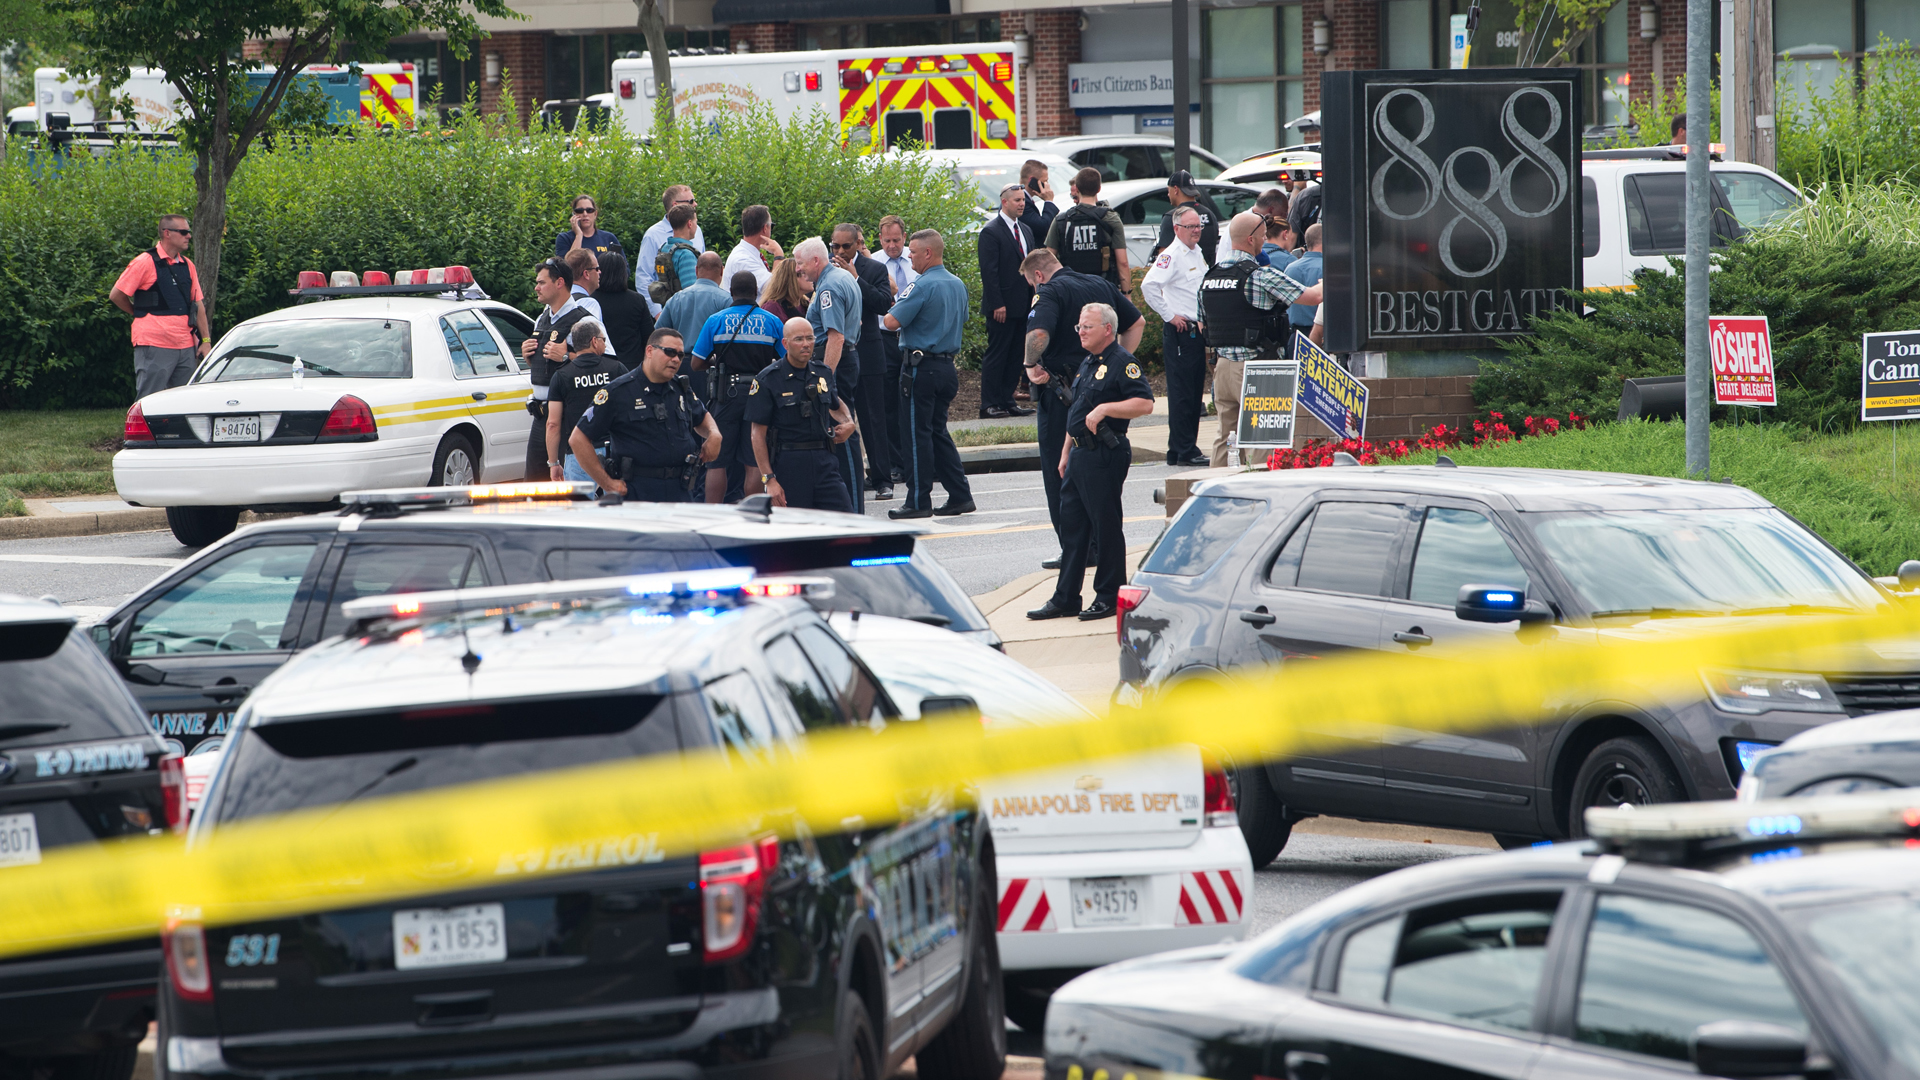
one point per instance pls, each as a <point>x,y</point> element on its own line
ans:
<point>653,23</point>
<point>198,43</point>
<point>1570,22</point>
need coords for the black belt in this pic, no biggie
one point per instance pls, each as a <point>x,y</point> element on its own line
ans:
<point>926,356</point>
<point>1088,442</point>
<point>643,472</point>
<point>818,444</point>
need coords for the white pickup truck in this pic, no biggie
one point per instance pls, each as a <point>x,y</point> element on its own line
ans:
<point>1635,209</point>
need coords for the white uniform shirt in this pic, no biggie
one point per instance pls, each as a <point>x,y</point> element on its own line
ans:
<point>1172,284</point>
<point>745,256</point>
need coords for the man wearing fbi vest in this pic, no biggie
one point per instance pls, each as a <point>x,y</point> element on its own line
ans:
<point>1245,307</point>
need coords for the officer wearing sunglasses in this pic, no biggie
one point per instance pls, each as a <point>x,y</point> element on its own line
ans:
<point>656,430</point>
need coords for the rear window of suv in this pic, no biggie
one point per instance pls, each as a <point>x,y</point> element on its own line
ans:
<point>1203,533</point>
<point>55,688</point>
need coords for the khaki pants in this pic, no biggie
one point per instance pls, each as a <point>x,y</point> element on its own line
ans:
<point>1226,402</point>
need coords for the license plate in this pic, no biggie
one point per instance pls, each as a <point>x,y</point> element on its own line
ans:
<point>1112,901</point>
<point>19,840</point>
<point>236,429</point>
<point>448,937</point>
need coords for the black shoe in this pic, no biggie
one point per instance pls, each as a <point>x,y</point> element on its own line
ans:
<point>1050,564</point>
<point>1171,460</point>
<point>1196,459</point>
<point>951,508</point>
<point>1051,610</point>
<point>898,476</point>
<point>883,493</point>
<point>1019,410</point>
<point>903,513</point>
<point>1099,609</point>
<point>995,414</point>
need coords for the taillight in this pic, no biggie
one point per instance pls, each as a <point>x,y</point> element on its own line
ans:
<point>813,80</point>
<point>185,945</point>
<point>626,89</point>
<point>137,429</point>
<point>1131,596</point>
<point>350,416</point>
<point>732,882</point>
<point>1220,807</point>
<point>173,790</point>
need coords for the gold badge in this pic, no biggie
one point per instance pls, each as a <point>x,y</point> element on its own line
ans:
<point>1100,372</point>
<point>1133,371</point>
<point>823,385</point>
<point>600,396</point>
<point>753,387</point>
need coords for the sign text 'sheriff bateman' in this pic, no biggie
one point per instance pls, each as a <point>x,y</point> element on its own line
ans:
<point>1452,205</point>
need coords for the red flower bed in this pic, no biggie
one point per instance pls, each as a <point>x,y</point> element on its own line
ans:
<point>1318,453</point>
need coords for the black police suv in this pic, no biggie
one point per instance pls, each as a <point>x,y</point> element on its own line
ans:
<point>194,643</point>
<point>835,956</point>
<point>1719,939</point>
<point>77,766</point>
<point>1280,568</point>
<point>1873,753</point>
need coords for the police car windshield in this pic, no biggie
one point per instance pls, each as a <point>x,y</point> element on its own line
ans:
<point>63,697</point>
<point>1872,947</point>
<point>326,349</point>
<point>1639,563</point>
<point>1007,693</point>
<point>919,590</point>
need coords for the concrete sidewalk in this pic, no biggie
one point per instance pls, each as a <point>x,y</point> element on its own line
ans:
<point>1082,658</point>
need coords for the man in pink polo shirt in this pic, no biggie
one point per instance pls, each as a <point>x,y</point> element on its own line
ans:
<point>164,353</point>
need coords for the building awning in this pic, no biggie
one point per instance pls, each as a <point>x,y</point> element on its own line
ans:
<point>763,11</point>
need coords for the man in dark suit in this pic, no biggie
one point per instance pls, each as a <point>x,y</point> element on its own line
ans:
<point>1040,211</point>
<point>1005,298</point>
<point>870,403</point>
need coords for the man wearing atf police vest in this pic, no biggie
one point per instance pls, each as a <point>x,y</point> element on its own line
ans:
<point>655,428</point>
<point>1108,392</point>
<point>1089,238</point>
<point>1245,306</point>
<point>797,420</point>
<point>1053,351</point>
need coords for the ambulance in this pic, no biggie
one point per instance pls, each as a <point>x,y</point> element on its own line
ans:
<point>945,97</point>
<point>386,92</point>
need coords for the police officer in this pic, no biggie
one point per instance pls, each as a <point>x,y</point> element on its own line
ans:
<point>1172,288</point>
<point>735,344</point>
<point>1089,238</point>
<point>654,427</point>
<point>575,385</point>
<point>834,312</point>
<point>1108,392</point>
<point>1053,351</point>
<point>929,316</point>
<point>794,403</point>
<point>545,350</point>
<point>1245,307</point>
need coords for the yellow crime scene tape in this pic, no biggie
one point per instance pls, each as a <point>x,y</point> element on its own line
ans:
<point>454,839</point>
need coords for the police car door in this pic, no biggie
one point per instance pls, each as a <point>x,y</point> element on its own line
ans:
<point>484,369</point>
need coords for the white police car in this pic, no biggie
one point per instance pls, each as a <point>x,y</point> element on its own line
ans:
<point>375,386</point>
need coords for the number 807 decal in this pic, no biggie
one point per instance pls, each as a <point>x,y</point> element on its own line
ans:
<point>253,950</point>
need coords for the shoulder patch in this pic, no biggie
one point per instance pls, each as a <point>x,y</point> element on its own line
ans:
<point>600,396</point>
<point>826,298</point>
<point>1133,371</point>
<point>1165,260</point>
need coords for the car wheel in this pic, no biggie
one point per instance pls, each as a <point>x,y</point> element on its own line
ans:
<point>1027,1006</point>
<point>859,1051</point>
<point>456,463</point>
<point>198,526</point>
<point>1263,817</point>
<point>973,1045</point>
<point>1628,771</point>
<point>115,1063</point>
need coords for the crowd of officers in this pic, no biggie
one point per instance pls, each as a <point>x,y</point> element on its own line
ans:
<point>718,378</point>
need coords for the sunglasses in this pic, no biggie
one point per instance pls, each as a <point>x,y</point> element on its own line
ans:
<point>843,247</point>
<point>687,202</point>
<point>586,209</point>
<point>182,232</point>
<point>673,354</point>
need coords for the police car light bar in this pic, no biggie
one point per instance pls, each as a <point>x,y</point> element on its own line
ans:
<point>427,497</point>
<point>312,284</point>
<point>810,588</point>
<point>425,605</point>
<point>1659,833</point>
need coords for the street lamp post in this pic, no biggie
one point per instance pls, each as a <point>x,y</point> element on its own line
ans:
<point>1699,133</point>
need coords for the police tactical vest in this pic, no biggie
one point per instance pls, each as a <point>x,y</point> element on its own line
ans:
<point>547,329</point>
<point>1232,320</point>
<point>1089,247</point>
<point>171,292</point>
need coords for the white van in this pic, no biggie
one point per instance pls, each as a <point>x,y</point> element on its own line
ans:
<point>56,92</point>
<point>1635,209</point>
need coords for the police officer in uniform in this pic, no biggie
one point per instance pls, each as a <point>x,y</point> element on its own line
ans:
<point>929,316</point>
<point>1089,237</point>
<point>735,344</point>
<point>1053,351</point>
<point>1108,392</point>
<point>793,404</point>
<point>655,428</point>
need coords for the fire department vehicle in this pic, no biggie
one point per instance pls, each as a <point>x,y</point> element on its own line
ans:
<point>946,97</point>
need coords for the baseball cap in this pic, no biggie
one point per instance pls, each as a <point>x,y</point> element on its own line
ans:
<point>1183,180</point>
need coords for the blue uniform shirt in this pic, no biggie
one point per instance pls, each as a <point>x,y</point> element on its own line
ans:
<point>689,309</point>
<point>835,306</point>
<point>743,328</point>
<point>932,311</point>
<point>1307,270</point>
<point>1113,375</point>
<point>783,395</point>
<point>650,422</point>
<point>599,243</point>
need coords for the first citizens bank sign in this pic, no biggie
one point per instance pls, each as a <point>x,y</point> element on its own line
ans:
<point>1139,84</point>
<point>1453,203</point>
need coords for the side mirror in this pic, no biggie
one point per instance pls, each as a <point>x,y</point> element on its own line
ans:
<point>955,707</point>
<point>1909,575</point>
<point>1744,1048</point>
<point>1498,604</point>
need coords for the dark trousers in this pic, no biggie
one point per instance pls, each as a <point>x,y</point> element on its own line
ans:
<point>1186,361</point>
<point>656,489</point>
<point>929,391</point>
<point>1050,418</point>
<point>537,448</point>
<point>898,436</point>
<point>811,480</point>
<point>846,457</point>
<point>728,408</point>
<point>873,425</point>
<point>1000,366</point>
<point>1090,513</point>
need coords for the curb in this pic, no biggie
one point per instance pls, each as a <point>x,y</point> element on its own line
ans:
<point>149,519</point>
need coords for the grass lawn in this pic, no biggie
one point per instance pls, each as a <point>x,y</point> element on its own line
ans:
<point>995,435</point>
<point>1839,485</point>
<point>46,454</point>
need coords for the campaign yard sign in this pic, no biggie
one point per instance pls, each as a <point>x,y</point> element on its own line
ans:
<point>1742,353</point>
<point>1890,375</point>
<point>1328,391</point>
<point>1267,389</point>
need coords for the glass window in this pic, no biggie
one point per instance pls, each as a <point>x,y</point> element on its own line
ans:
<point>860,698</point>
<point>326,349</point>
<point>572,564</point>
<point>1755,198</point>
<point>1460,547</point>
<point>514,328</point>
<point>1241,118</point>
<point>1871,947</point>
<point>811,700</point>
<point>1819,27</point>
<point>1007,692</point>
<point>456,352</point>
<point>381,569</point>
<point>563,67</point>
<point>1231,201</point>
<point>1622,23</point>
<point>1408,33</point>
<point>1285,570</point>
<point>241,603</point>
<point>741,719</point>
<point>1472,962</point>
<point>920,590</point>
<point>1589,218</point>
<point>1899,20</point>
<point>1657,213</point>
<point>1349,546</point>
<point>595,69</point>
<point>481,352</point>
<point>1240,42</point>
<point>1655,971</point>
<point>1291,62</point>
<point>53,691</point>
<point>1207,527</point>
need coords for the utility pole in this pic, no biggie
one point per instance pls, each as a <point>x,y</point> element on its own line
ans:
<point>1746,81</point>
<point>1182,97</point>
<point>1699,132</point>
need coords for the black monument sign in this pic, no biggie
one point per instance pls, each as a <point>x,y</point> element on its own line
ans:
<point>1452,204</point>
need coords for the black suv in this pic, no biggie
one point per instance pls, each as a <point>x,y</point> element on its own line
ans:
<point>194,643</point>
<point>1280,568</point>
<point>77,766</point>
<point>833,956</point>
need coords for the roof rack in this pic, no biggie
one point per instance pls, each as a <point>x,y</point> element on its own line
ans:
<point>1681,834</point>
<point>676,588</point>
<point>398,500</point>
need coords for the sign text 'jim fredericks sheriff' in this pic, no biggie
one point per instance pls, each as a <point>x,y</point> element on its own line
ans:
<point>1451,206</point>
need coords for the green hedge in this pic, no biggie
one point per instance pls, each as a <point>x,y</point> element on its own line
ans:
<point>482,194</point>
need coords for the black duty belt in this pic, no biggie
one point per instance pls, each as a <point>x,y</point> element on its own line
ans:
<point>1088,442</point>
<point>921,356</point>
<point>817,444</point>
<point>643,472</point>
